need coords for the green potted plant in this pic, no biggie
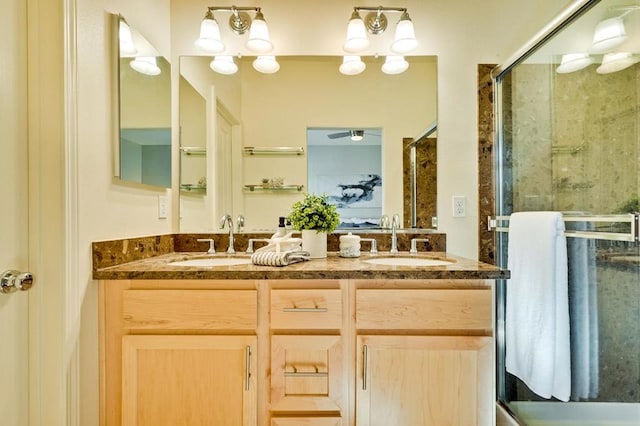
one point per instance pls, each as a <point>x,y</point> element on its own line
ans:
<point>315,217</point>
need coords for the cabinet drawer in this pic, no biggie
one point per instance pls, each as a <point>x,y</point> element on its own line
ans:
<point>309,309</point>
<point>190,309</point>
<point>414,309</point>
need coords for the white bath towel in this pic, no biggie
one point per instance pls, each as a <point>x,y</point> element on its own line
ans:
<point>537,312</point>
<point>281,251</point>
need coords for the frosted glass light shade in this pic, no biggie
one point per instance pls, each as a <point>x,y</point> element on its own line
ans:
<point>572,62</point>
<point>357,39</point>
<point>266,64</point>
<point>352,65</point>
<point>210,41</point>
<point>405,38</point>
<point>224,64</point>
<point>395,64</point>
<point>613,62</point>
<point>608,34</point>
<point>127,48</point>
<point>145,65</point>
<point>259,36</point>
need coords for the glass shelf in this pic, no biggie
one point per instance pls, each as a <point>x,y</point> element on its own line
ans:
<point>192,187</point>
<point>273,150</point>
<point>260,188</point>
<point>193,150</point>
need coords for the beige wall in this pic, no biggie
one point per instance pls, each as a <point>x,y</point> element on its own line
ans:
<point>461,34</point>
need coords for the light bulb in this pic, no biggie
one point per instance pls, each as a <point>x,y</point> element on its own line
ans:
<point>357,39</point>
<point>405,39</point>
<point>145,65</point>
<point>266,64</point>
<point>352,65</point>
<point>259,35</point>
<point>395,64</point>
<point>210,40</point>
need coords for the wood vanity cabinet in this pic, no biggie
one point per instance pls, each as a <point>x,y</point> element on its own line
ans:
<point>178,353</point>
<point>296,352</point>
<point>424,356</point>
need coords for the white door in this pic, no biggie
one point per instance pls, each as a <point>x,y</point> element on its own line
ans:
<point>14,332</point>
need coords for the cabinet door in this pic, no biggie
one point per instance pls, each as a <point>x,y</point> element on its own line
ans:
<point>307,374</point>
<point>188,380</point>
<point>424,380</point>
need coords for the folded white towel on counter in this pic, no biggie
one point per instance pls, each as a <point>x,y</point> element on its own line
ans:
<point>284,258</point>
<point>281,251</point>
<point>537,311</point>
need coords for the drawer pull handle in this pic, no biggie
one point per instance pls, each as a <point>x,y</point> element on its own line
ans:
<point>305,374</point>
<point>314,309</point>
<point>247,374</point>
<point>365,361</point>
<point>296,373</point>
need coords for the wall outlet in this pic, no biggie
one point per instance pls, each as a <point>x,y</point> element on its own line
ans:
<point>459,206</point>
<point>162,207</point>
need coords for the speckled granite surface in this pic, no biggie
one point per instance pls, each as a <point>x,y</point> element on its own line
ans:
<point>333,267</point>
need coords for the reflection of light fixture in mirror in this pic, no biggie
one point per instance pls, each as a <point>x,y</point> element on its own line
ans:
<point>356,135</point>
<point>224,64</point>
<point>266,64</point>
<point>239,22</point>
<point>394,64</point>
<point>376,23</point>
<point>126,40</point>
<point>613,62</point>
<point>352,65</point>
<point>357,39</point>
<point>210,40</point>
<point>608,34</point>
<point>145,65</point>
<point>572,62</point>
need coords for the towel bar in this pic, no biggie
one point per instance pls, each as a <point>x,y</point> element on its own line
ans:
<point>498,224</point>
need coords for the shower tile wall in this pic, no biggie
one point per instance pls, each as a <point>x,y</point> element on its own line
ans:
<point>575,141</point>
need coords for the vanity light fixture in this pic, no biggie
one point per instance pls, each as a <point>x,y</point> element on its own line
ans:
<point>145,65</point>
<point>266,64</point>
<point>394,64</point>
<point>210,40</point>
<point>375,22</point>
<point>572,62</point>
<point>127,47</point>
<point>352,65</point>
<point>224,64</point>
<point>617,61</point>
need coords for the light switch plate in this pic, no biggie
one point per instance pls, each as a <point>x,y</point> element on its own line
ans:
<point>162,207</point>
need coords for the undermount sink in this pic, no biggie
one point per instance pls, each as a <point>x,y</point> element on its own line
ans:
<point>407,261</point>
<point>213,261</point>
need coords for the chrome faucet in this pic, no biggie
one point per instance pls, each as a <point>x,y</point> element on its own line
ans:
<point>395,222</point>
<point>226,219</point>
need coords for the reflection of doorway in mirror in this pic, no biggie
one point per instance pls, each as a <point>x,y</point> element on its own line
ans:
<point>348,171</point>
<point>223,194</point>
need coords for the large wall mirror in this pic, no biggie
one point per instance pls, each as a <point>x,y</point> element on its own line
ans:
<point>250,109</point>
<point>143,151</point>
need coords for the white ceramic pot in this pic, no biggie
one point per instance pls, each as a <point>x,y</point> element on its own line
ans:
<point>315,243</point>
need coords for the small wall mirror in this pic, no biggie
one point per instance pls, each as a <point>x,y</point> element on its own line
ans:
<point>144,110</point>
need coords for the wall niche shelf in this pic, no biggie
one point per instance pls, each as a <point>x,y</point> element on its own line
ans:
<point>260,188</point>
<point>193,150</point>
<point>273,150</point>
<point>192,187</point>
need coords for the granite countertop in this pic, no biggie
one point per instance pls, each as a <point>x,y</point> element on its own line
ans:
<point>333,267</point>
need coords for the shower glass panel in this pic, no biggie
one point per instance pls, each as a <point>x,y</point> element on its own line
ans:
<point>569,142</point>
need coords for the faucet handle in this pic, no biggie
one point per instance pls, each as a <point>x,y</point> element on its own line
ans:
<point>395,220</point>
<point>414,247</point>
<point>374,244</point>
<point>212,249</point>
